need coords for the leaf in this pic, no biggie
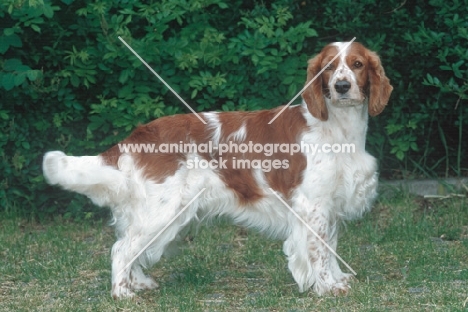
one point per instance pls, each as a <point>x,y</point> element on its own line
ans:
<point>262,70</point>
<point>142,89</point>
<point>400,155</point>
<point>15,41</point>
<point>48,10</point>
<point>429,79</point>
<point>126,91</point>
<point>7,41</point>
<point>311,33</point>
<point>8,81</point>
<point>96,122</point>
<point>123,76</point>
<point>33,74</point>
<point>75,81</point>
<point>4,115</point>
<point>19,78</point>
<point>8,31</point>
<point>259,52</point>
<point>25,145</point>
<point>77,106</point>
<point>288,80</point>
<point>36,28</point>
<point>255,59</point>
<point>11,64</point>
<point>292,90</point>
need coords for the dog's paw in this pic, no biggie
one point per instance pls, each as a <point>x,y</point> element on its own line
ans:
<point>122,291</point>
<point>340,289</point>
<point>328,284</point>
<point>143,283</point>
<point>345,278</point>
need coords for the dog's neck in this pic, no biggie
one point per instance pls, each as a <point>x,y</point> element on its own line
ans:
<point>344,124</point>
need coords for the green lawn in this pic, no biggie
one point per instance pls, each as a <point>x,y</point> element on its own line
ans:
<point>410,254</point>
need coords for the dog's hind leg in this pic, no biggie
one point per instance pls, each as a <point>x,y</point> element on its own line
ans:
<point>142,242</point>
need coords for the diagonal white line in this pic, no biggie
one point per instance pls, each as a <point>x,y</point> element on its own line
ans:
<point>162,80</point>
<point>312,80</point>
<point>160,232</point>
<point>313,232</point>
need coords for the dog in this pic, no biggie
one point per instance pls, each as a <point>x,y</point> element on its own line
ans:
<point>240,165</point>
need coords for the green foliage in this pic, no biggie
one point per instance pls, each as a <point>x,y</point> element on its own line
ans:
<point>72,85</point>
<point>423,48</point>
<point>69,83</point>
<point>442,43</point>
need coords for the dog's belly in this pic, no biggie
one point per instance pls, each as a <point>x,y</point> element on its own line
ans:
<point>267,214</point>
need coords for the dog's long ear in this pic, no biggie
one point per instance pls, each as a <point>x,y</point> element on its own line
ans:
<point>313,95</point>
<point>380,88</point>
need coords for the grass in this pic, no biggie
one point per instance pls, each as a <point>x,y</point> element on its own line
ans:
<point>411,254</point>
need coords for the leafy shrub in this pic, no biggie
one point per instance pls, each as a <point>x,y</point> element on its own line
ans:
<point>422,45</point>
<point>70,84</point>
<point>82,90</point>
<point>443,42</point>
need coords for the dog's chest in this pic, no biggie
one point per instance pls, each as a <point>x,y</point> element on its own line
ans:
<point>340,168</point>
<point>349,181</point>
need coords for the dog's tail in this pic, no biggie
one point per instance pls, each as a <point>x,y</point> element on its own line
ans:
<point>88,175</point>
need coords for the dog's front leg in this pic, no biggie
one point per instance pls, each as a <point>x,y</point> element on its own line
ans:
<point>339,275</point>
<point>322,251</point>
<point>309,249</point>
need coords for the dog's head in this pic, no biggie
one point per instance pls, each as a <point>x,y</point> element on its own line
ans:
<point>354,78</point>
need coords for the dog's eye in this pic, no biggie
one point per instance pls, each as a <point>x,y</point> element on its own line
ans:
<point>329,67</point>
<point>357,64</point>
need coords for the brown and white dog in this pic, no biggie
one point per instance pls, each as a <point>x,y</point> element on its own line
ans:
<point>146,188</point>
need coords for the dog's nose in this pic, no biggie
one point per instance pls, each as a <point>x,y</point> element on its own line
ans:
<point>342,86</point>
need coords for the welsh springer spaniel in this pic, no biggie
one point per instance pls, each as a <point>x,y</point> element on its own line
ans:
<point>151,192</point>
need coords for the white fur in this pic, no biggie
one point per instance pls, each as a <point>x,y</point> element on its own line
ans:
<point>238,135</point>
<point>348,180</point>
<point>141,208</point>
<point>343,72</point>
<point>335,187</point>
<point>215,126</point>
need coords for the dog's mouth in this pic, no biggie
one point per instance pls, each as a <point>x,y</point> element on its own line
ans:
<point>347,99</point>
<point>345,102</point>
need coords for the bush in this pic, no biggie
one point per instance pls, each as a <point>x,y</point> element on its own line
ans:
<point>441,43</point>
<point>82,90</point>
<point>72,85</point>
<point>421,133</point>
